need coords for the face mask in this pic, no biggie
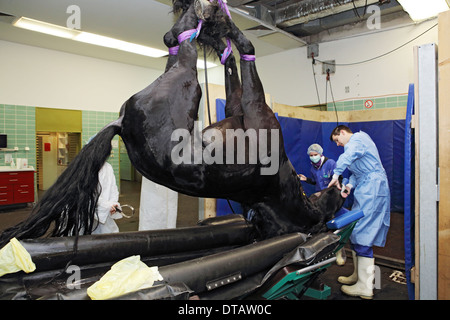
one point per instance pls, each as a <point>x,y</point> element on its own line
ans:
<point>315,159</point>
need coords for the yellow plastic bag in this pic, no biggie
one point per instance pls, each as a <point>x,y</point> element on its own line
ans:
<point>14,257</point>
<point>127,275</point>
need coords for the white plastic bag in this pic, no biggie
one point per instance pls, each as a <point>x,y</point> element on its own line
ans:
<point>14,257</point>
<point>127,275</point>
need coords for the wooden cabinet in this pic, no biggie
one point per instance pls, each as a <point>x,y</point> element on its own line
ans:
<point>16,187</point>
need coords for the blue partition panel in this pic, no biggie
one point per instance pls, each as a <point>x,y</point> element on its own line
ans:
<point>388,136</point>
<point>409,218</point>
<point>299,134</point>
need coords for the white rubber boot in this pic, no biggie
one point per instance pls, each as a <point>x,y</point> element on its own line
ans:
<point>353,278</point>
<point>341,258</point>
<point>364,286</point>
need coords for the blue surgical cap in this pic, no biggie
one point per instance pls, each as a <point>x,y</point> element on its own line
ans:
<point>315,148</point>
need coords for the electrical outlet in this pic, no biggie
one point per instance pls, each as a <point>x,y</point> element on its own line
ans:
<point>313,49</point>
<point>328,65</point>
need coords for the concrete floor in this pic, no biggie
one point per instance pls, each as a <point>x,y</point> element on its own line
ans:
<point>389,259</point>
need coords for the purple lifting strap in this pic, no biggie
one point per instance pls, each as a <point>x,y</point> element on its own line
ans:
<point>224,7</point>
<point>226,53</point>
<point>248,57</point>
<point>190,34</point>
<point>173,51</point>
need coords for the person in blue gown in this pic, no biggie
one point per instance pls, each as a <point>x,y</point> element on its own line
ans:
<point>321,172</point>
<point>321,168</point>
<point>372,196</point>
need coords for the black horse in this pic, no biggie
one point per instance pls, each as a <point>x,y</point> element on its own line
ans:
<point>158,128</point>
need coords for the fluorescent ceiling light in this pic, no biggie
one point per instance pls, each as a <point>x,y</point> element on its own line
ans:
<point>420,9</point>
<point>95,39</point>
<point>119,44</point>
<point>91,38</point>
<point>44,27</point>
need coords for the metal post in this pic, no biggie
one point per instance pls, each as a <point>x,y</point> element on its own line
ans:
<point>427,166</point>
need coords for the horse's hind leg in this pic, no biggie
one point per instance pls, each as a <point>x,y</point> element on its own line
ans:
<point>170,40</point>
<point>233,89</point>
<point>182,31</point>
<point>172,44</point>
<point>181,89</point>
<point>257,113</point>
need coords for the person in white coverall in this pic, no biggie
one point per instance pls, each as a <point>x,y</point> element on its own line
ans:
<point>108,202</point>
<point>158,206</point>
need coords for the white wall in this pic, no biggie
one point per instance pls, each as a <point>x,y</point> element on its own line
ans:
<point>33,76</point>
<point>289,79</point>
<point>40,77</point>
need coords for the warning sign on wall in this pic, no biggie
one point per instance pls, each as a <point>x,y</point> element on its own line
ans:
<point>368,104</point>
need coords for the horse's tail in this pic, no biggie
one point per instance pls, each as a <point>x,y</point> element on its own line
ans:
<point>68,207</point>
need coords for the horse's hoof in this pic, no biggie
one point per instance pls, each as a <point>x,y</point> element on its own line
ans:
<point>204,9</point>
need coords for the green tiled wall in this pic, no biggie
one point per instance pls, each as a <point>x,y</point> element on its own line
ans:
<point>19,123</point>
<point>378,103</point>
<point>93,122</point>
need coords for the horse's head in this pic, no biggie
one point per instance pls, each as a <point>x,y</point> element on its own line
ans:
<point>328,201</point>
<point>289,209</point>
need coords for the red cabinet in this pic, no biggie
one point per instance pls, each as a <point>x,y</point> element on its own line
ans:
<point>16,187</point>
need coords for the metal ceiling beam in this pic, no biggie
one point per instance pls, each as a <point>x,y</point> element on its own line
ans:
<point>237,3</point>
<point>299,18</point>
<point>266,25</point>
<point>308,10</point>
<point>339,19</point>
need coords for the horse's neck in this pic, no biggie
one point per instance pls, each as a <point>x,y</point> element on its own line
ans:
<point>292,196</point>
<point>289,183</point>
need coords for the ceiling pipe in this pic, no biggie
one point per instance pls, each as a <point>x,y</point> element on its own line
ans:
<point>305,11</point>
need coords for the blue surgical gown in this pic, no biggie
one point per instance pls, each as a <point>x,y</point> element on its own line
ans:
<point>322,176</point>
<point>371,189</point>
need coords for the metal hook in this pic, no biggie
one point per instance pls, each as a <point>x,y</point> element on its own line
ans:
<point>123,214</point>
